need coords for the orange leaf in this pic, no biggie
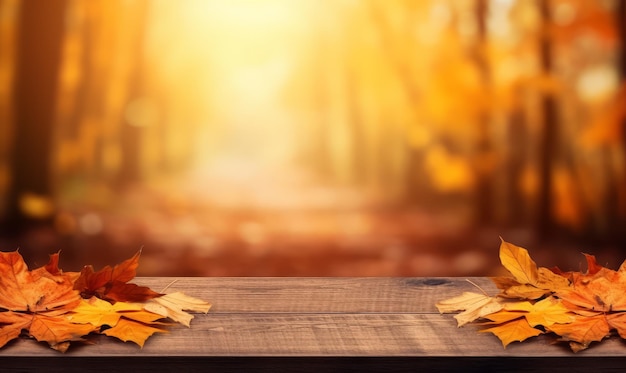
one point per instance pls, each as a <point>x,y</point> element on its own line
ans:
<point>12,325</point>
<point>23,290</point>
<point>583,330</point>
<point>517,261</point>
<point>45,303</point>
<point>57,329</point>
<point>579,307</point>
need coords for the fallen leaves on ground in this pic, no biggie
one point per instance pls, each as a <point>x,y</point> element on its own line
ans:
<point>59,307</point>
<point>579,308</point>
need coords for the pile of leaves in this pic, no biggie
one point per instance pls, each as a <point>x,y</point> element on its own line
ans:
<point>59,307</point>
<point>579,308</point>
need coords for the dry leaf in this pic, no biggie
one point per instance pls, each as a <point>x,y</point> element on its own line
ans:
<point>112,283</point>
<point>580,308</point>
<point>473,305</point>
<point>515,330</point>
<point>174,305</point>
<point>517,261</point>
<point>46,303</point>
<point>133,331</point>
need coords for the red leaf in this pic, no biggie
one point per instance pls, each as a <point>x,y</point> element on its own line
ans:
<point>111,283</point>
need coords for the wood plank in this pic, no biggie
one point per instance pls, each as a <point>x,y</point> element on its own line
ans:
<point>327,295</point>
<point>337,335</point>
<point>313,324</point>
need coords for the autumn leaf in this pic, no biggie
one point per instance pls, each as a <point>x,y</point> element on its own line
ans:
<point>517,261</point>
<point>36,302</point>
<point>23,290</point>
<point>545,312</point>
<point>46,305</point>
<point>57,330</point>
<point>111,283</point>
<point>473,305</point>
<point>174,305</point>
<point>133,331</point>
<point>515,330</point>
<point>137,324</point>
<point>99,312</point>
<point>583,330</point>
<point>524,292</point>
<point>579,308</point>
<point>12,324</point>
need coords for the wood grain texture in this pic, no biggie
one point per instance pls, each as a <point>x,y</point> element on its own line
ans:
<point>321,294</point>
<point>313,324</point>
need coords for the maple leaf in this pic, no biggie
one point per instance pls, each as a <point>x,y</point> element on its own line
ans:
<point>583,330</point>
<point>46,303</point>
<point>36,302</point>
<point>545,312</point>
<point>515,330</point>
<point>174,305</point>
<point>33,291</point>
<point>137,324</point>
<point>111,283</point>
<point>600,289</point>
<point>99,312</point>
<point>129,330</point>
<point>473,305</point>
<point>580,308</point>
<point>57,330</point>
<point>12,324</point>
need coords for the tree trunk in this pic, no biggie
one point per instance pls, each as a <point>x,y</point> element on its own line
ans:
<point>549,136</point>
<point>621,223</point>
<point>484,147</point>
<point>415,174</point>
<point>41,31</point>
<point>131,133</point>
<point>517,138</point>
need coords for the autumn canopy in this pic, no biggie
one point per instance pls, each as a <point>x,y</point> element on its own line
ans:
<point>59,307</point>
<point>579,308</point>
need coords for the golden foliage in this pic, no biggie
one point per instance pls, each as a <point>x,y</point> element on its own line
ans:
<point>46,303</point>
<point>580,308</point>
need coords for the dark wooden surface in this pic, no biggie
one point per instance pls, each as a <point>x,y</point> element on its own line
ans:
<point>318,324</point>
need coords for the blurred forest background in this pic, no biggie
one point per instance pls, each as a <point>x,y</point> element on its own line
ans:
<point>308,137</point>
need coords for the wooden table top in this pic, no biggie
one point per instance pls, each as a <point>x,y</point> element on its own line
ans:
<point>361,323</point>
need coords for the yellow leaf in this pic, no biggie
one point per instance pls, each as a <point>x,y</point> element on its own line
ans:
<point>99,312</point>
<point>474,306</point>
<point>174,305</point>
<point>548,312</point>
<point>504,316</point>
<point>517,261</point>
<point>551,281</point>
<point>524,292</point>
<point>129,330</point>
<point>515,330</point>
<point>143,316</point>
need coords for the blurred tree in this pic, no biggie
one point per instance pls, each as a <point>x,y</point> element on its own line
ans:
<point>620,202</point>
<point>138,108</point>
<point>484,153</point>
<point>394,47</point>
<point>40,32</point>
<point>548,141</point>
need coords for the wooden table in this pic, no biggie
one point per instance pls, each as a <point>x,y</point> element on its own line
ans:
<point>318,324</point>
